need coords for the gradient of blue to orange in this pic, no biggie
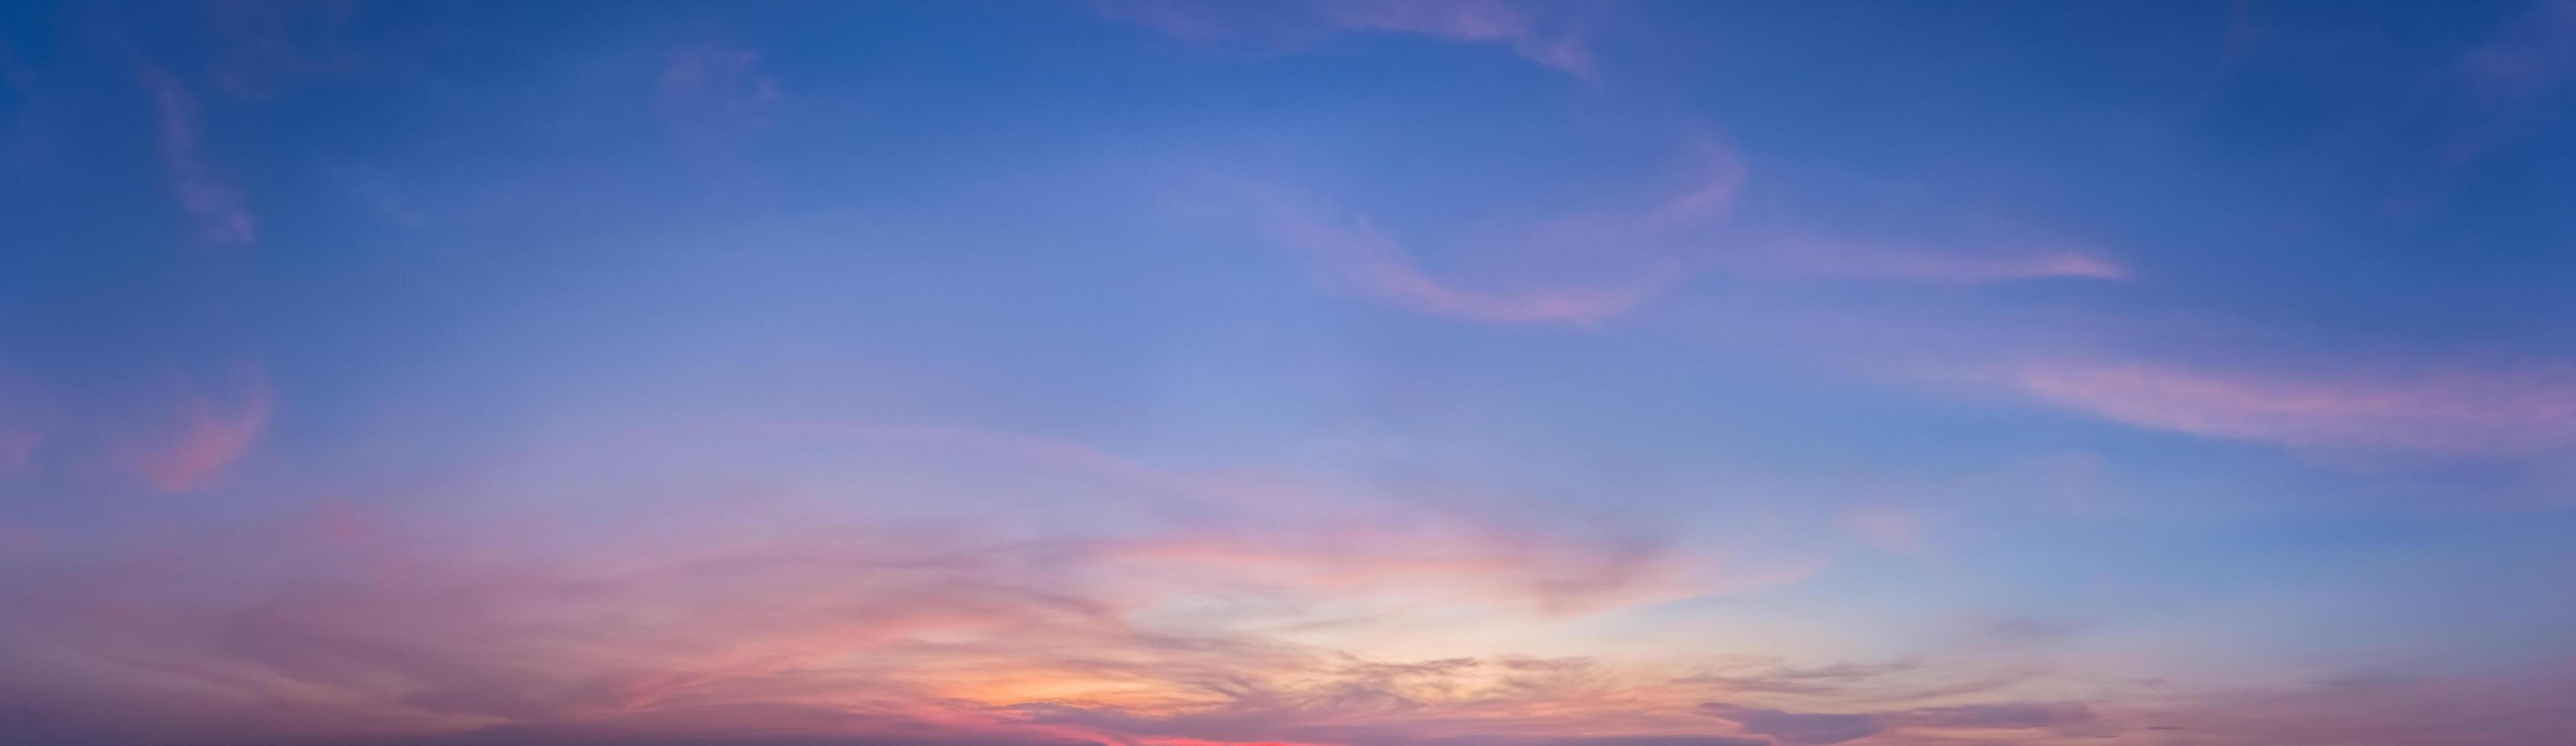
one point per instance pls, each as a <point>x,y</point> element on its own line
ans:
<point>1164,373</point>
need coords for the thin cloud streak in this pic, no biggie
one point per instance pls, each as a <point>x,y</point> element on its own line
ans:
<point>351,619</point>
<point>1581,269</point>
<point>1298,24</point>
<point>205,434</point>
<point>1380,267</point>
<point>219,209</point>
<point>1487,21</point>
<point>1852,260</point>
<point>2466,412</point>
<point>1586,269</point>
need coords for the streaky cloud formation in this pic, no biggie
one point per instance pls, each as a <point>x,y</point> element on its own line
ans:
<point>1586,268</point>
<point>431,629</point>
<point>2506,412</point>
<point>207,432</point>
<point>1377,265</point>
<point>1286,373</point>
<point>1853,260</point>
<point>220,210</point>
<point>1813,729</point>
<point>1299,23</point>
<point>707,86</point>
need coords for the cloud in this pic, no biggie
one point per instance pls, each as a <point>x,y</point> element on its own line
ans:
<point>2456,412</point>
<point>2531,55</point>
<point>1292,25</point>
<point>262,46</point>
<point>203,434</point>
<point>706,90</point>
<point>216,205</point>
<point>23,427</point>
<point>1858,260</point>
<point>1484,21</point>
<point>1216,606</point>
<point>1817,729</point>
<point>1901,681</point>
<point>2018,715</point>
<point>1372,263</point>
<point>18,450</point>
<point>1415,540</point>
<point>2523,707</point>
<point>1587,268</point>
<point>1795,728</point>
<point>1885,528</point>
<point>1579,269</point>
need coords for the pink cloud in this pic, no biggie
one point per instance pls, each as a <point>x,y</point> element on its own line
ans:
<point>1579,269</point>
<point>2525,706</point>
<point>204,435</point>
<point>217,206</point>
<point>826,618</point>
<point>24,424</point>
<point>1586,268</point>
<point>1290,533</point>
<point>1376,265</point>
<point>18,450</point>
<point>1887,529</point>
<point>873,632</point>
<point>2500,412</point>
<point>1853,260</point>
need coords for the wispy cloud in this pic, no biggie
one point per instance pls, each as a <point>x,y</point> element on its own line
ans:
<point>1518,28</point>
<point>1586,268</point>
<point>873,633</point>
<point>22,428</point>
<point>708,87</point>
<point>219,209</point>
<point>204,433</point>
<point>18,449</point>
<point>263,46</point>
<point>1885,528</point>
<point>2530,55</point>
<point>1578,269</point>
<point>1861,260</point>
<point>2521,706</point>
<point>1486,21</point>
<point>1372,263</point>
<point>1819,729</point>
<point>1216,607</point>
<point>2500,412</point>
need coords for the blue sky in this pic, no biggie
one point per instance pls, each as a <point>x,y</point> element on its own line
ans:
<point>1158,373</point>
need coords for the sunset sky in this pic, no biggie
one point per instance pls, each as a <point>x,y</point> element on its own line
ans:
<point>1287,372</point>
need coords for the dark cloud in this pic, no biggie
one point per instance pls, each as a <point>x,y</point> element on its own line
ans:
<point>1602,741</point>
<point>1816,729</point>
<point>1799,728</point>
<point>2023,715</point>
<point>523,736</point>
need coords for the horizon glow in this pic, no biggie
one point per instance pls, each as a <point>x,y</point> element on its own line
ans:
<point>1287,373</point>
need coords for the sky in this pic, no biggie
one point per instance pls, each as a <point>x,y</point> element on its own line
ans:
<point>1287,373</point>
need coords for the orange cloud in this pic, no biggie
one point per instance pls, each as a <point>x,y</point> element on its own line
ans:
<point>811,622</point>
